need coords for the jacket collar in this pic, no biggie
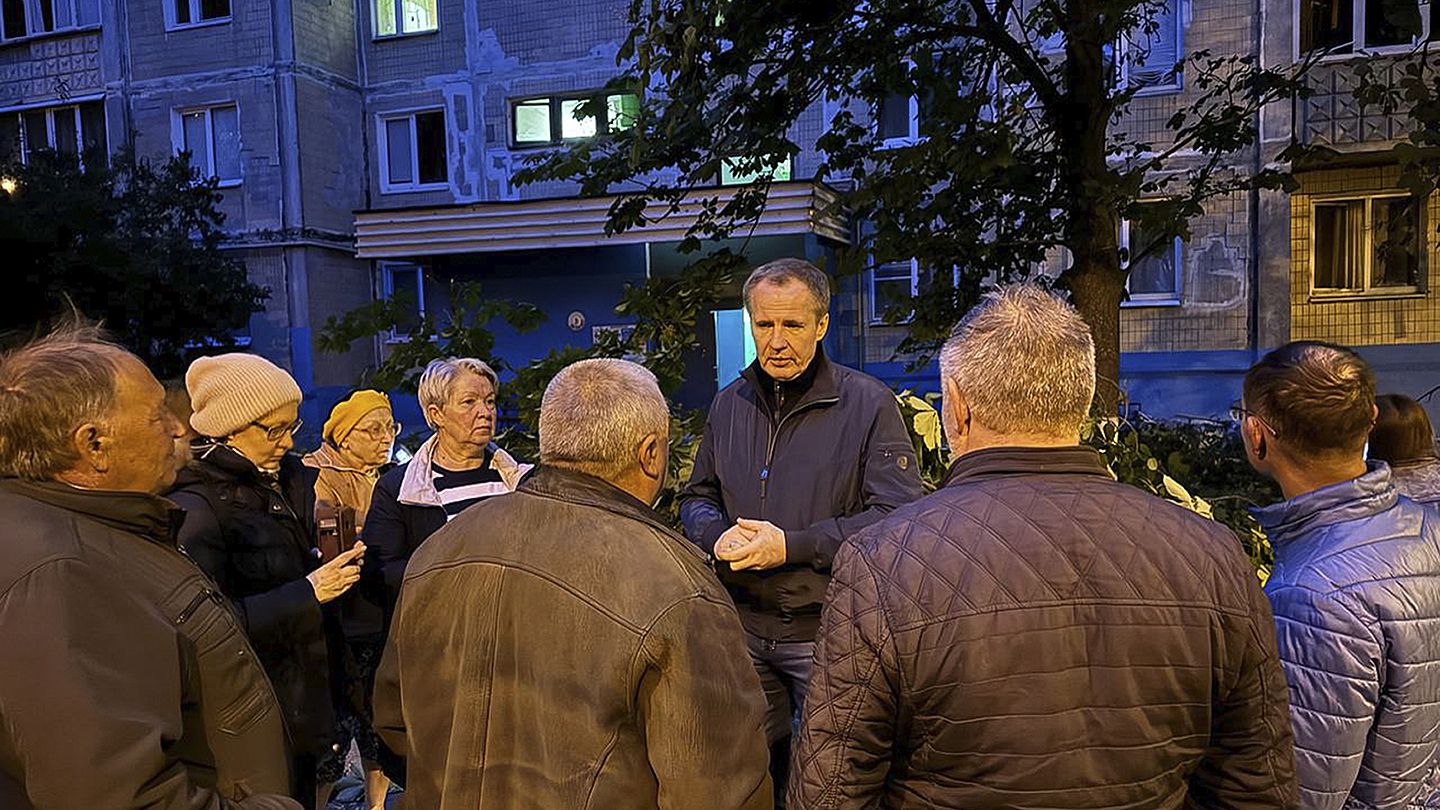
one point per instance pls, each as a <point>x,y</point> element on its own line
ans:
<point>577,487</point>
<point>1361,497</point>
<point>149,516</point>
<point>1001,461</point>
<point>328,457</point>
<point>825,386</point>
<point>417,488</point>
<point>226,460</point>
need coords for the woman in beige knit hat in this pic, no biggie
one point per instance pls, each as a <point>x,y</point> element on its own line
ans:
<point>250,525</point>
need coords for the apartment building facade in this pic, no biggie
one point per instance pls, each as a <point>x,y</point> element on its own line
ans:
<point>368,148</point>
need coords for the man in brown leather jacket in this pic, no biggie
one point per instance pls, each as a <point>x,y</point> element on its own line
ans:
<point>127,681</point>
<point>561,647</point>
<point>1036,634</point>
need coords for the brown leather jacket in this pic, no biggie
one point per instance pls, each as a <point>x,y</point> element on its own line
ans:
<point>127,681</point>
<point>1036,634</point>
<point>559,646</point>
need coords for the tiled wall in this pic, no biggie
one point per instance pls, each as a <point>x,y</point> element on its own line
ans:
<point>1362,320</point>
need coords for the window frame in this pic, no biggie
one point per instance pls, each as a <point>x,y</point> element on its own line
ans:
<point>1128,47</point>
<point>33,14</point>
<point>556,103</point>
<point>1357,25</point>
<point>875,316</point>
<point>172,22</point>
<point>382,140</point>
<point>387,291</point>
<point>1370,291</point>
<point>400,31</point>
<point>177,130</point>
<point>1153,299</point>
<point>50,109</point>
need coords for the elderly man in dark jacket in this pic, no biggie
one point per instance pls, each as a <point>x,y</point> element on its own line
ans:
<point>797,456</point>
<point>127,680</point>
<point>1036,634</point>
<point>560,646</point>
<point>1355,588</point>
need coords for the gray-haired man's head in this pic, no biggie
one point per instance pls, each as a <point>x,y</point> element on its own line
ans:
<point>1019,369</point>
<point>607,418</point>
<point>789,305</point>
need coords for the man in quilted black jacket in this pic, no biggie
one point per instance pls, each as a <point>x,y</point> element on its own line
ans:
<point>1036,634</point>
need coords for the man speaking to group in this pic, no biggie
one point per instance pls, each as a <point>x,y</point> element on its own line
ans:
<point>797,455</point>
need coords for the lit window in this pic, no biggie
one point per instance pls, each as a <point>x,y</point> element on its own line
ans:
<point>73,129</point>
<point>1367,244</point>
<point>212,137</point>
<point>1347,26</point>
<point>1154,276</point>
<point>412,149</point>
<point>195,12</point>
<point>553,119</point>
<point>405,284</point>
<point>1152,56</point>
<point>396,17</point>
<point>730,175</point>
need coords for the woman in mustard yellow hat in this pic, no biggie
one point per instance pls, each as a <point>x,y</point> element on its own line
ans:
<point>354,449</point>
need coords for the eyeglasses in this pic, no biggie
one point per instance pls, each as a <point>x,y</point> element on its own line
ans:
<point>1238,413</point>
<point>380,433</point>
<point>275,433</point>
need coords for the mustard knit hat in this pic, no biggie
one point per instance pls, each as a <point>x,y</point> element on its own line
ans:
<point>348,412</point>
<point>229,391</point>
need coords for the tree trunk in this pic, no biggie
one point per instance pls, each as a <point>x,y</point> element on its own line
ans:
<point>1097,288</point>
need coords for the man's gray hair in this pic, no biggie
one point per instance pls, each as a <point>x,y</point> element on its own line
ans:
<point>783,270</point>
<point>439,378</point>
<point>1025,362</point>
<point>595,414</point>
<point>49,387</point>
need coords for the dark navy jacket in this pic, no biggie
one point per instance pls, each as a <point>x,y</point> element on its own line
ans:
<point>836,462</point>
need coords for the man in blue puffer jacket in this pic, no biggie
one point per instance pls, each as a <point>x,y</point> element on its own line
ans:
<point>1356,584</point>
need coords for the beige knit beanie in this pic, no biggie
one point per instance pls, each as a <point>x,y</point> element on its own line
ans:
<point>229,391</point>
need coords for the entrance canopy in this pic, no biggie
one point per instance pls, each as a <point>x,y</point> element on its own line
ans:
<point>791,208</point>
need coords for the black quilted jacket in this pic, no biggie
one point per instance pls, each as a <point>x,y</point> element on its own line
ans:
<point>1037,635</point>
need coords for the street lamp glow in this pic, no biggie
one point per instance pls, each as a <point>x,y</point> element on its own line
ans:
<point>8,185</point>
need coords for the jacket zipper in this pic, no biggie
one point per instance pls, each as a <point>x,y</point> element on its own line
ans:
<point>206,593</point>
<point>775,434</point>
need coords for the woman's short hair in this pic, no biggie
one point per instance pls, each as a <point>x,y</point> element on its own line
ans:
<point>1403,432</point>
<point>595,414</point>
<point>439,377</point>
<point>49,387</point>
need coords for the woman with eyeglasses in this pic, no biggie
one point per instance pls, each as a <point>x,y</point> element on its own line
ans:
<point>250,524</point>
<point>354,449</point>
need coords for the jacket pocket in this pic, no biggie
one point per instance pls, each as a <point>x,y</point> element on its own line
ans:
<point>243,713</point>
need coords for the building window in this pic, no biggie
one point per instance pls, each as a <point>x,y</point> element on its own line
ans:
<point>554,119</point>
<point>899,120</point>
<point>19,18</point>
<point>1348,26</point>
<point>893,284</point>
<point>404,284</point>
<point>182,13</point>
<point>212,137</point>
<point>73,129</point>
<point>732,176</point>
<point>1372,244</point>
<point>398,17</point>
<point>1151,56</point>
<point>412,152</point>
<point>1155,277</point>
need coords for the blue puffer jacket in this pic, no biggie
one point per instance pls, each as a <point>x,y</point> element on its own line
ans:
<point>1356,597</point>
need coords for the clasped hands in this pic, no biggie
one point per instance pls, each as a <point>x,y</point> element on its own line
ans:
<point>751,544</point>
